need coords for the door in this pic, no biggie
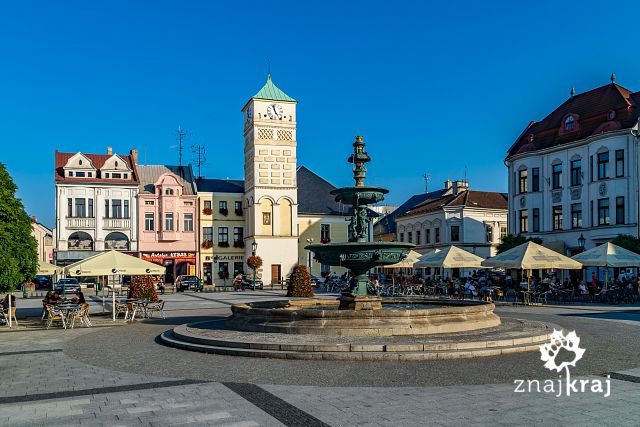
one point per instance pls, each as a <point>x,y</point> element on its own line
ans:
<point>275,273</point>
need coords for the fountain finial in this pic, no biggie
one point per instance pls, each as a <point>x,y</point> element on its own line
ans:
<point>359,158</point>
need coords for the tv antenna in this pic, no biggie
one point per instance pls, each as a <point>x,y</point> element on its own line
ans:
<point>199,151</point>
<point>180,134</point>
<point>427,180</point>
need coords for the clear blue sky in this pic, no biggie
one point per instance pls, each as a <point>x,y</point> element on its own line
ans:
<point>433,88</point>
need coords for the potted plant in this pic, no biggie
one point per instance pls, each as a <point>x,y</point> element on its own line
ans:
<point>223,244</point>
<point>224,211</point>
<point>207,244</point>
<point>207,211</point>
<point>325,241</point>
<point>254,262</point>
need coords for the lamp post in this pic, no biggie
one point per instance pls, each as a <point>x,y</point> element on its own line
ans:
<point>581,242</point>
<point>254,248</point>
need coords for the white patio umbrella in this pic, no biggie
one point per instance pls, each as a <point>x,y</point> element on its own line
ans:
<point>450,257</point>
<point>531,256</point>
<point>113,263</point>
<point>408,262</point>
<point>608,255</point>
<point>47,269</point>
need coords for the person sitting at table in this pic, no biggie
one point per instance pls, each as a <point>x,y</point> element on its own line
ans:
<point>5,302</point>
<point>56,298</point>
<point>470,288</point>
<point>79,299</point>
<point>582,287</point>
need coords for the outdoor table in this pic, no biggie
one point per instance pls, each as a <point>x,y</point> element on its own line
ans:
<point>527,297</point>
<point>67,309</point>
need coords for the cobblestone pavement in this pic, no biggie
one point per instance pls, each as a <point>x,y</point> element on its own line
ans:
<point>122,376</point>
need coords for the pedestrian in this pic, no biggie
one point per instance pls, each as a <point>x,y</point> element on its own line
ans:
<point>237,282</point>
<point>161,286</point>
<point>594,281</point>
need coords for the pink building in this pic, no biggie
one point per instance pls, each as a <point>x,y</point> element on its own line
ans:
<point>167,207</point>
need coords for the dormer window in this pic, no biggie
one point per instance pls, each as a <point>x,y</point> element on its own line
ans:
<point>80,174</point>
<point>116,175</point>
<point>611,115</point>
<point>569,124</point>
<point>80,162</point>
<point>168,192</point>
<point>70,173</point>
<point>106,175</point>
<point>116,163</point>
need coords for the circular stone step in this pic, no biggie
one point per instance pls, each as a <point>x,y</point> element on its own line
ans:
<point>512,336</point>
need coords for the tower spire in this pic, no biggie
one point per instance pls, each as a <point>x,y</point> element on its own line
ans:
<point>613,78</point>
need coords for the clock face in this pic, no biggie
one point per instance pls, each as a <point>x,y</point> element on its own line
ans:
<point>275,111</point>
<point>249,115</point>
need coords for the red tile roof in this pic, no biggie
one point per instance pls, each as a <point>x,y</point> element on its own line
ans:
<point>591,109</point>
<point>98,161</point>
<point>469,198</point>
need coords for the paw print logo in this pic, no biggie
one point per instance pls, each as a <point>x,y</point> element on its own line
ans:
<point>549,351</point>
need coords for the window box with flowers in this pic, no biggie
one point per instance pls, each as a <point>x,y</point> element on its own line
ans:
<point>207,211</point>
<point>224,211</point>
<point>223,244</point>
<point>238,244</point>
<point>325,241</point>
<point>207,244</point>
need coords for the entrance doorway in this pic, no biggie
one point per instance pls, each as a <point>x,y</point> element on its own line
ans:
<point>275,274</point>
<point>207,273</point>
<point>169,275</point>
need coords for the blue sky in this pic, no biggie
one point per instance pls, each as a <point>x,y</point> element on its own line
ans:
<point>432,87</point>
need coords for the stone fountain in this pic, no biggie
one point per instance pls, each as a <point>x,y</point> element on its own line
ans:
<point>359,254</point>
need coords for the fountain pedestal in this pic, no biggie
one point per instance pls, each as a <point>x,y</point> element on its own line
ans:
<point>360,302</point>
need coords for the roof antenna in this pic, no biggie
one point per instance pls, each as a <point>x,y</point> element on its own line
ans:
<point>268,68</point>
<point>427,179</point>
<point>180,138</point>
<point>613,78</point>
<point>573,91</point>
<point>465,174</point>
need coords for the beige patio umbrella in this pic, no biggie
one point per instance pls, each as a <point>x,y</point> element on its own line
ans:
<point>451,257</point>
<point>47,269</point>
<point>530,256</point>
<point>608,255</point>
<point>412,258</point>
<point>112,263</point>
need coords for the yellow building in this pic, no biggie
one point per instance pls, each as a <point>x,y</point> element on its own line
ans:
<point>221,230</point>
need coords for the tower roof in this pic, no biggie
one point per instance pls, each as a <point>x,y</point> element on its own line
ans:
<point>271,92</point>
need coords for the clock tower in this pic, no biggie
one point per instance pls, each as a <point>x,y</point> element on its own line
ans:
<point>270,187</point>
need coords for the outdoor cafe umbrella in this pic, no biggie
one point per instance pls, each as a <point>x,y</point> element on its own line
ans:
<point>451,257</point>
<point>531,256</point>
<point>111,263</point>
<point>47,269</point>
<point>608,255</point>
<point>408,262</point>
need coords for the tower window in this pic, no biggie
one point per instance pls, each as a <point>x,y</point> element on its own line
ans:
<point>569,123</point>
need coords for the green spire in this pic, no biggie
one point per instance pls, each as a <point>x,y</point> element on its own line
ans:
<point>271,92</point>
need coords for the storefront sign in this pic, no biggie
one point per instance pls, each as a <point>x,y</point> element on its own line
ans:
<point>230,257</point>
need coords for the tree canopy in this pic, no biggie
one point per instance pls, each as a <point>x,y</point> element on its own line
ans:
<point>628,242</point>
<point>18,248</point>
<point>511,241</point>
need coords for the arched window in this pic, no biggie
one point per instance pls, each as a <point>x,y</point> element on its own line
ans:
<point>80,241</point>
<point>116,240</point>
<point>569,123</point>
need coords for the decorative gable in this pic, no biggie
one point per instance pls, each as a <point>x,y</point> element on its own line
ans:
<point>79,166</point>
<point>115,167</point>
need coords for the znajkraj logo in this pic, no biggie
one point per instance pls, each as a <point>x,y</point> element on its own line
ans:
<point>548,353</point>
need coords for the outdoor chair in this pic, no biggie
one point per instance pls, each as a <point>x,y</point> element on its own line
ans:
<point>7,315</point>
<point>85,315</point>
<point>55,315</point>
<point>121,309</point>
<point>156,307</point>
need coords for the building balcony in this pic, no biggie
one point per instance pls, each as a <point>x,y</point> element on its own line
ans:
<point>116,223</point>
<point>80,223</point>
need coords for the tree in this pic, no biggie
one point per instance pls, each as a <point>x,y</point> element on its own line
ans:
<point>18,248</point>
<point>511,241</point>
<point>299,282</point>
<point>142,287</point>
<point>628,242</point>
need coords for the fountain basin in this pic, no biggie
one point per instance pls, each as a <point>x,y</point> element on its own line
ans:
<point>357,196</point>
<point>309,317</point>
<point>360,256</point>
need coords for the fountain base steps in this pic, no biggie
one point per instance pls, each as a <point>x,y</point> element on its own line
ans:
<point>512,336</point>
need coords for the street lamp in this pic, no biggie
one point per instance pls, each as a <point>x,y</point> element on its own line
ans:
<point>254,248</point>
<point>581,242</point>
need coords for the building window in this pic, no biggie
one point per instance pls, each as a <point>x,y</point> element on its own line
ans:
<point>417,237</point>
<point>503,233</point>
<point>168,192</point>
<point>591,169</point>
<point>223,234</point>
<point>148,202</point>
<point>222,204</point>
<point>116,175</point>
<point>522,179</point>
<point>81,210</point>
<point>557,217</point>
<point>188,222</point>
<point>603,165</point>
<point>237,207</point>
<point>569,124</point>
<point>90,206</point>
<point>576,215</point>
<point>106,208</point>
<point>603,212</point>
<point>89,174</point>
<point>489,234</point>
<point>238,234</point>
<point>455,233</point>
<point>223,269</point>
<point>80,174</point>
<point>436,235</point>
<point>266,218</point>
<point>70,173</point>
<point>207,204</point>
<point>207,234</point>
<point>401,237</point>
<point>149,221</point>
<point>106,175</point>
<point>116,208</point>
<point>325,233</point>
<point>427,235</point>
<point>535,217</point>
<point>69,207</point>
<point>620,210</point>
<point>524,221</point>
<point>168,221</point>
<point>619,163</point>
<point>535,179</point>
<point>576,172</point>
<point>126,209</point>
<point>556,176</point>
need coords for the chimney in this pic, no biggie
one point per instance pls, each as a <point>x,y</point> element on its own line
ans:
<point>134,155</point>
<point>447,184</point>
<point>460,186</point>
<point>33,218</point>
<point>109,150</point>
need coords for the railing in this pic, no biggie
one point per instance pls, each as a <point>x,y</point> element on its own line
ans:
<point>81,222</point>
<point>117,223</point>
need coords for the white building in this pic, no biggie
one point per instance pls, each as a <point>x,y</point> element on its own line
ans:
<point>270,187</point>
<point>96,204</point>
<point>576,172</point>
<point>472,220</point>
